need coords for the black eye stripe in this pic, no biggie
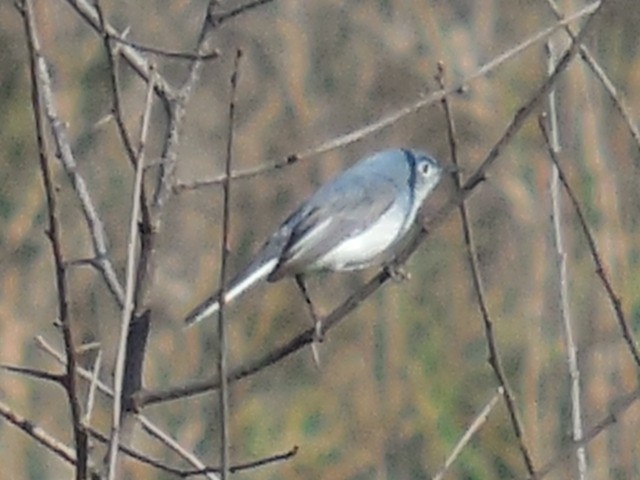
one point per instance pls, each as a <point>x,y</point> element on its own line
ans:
<point>411,181</point>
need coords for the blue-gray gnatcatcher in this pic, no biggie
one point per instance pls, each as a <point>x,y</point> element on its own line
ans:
<point>354,221</point>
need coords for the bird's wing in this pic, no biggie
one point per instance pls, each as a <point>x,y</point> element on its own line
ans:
<point>329,218</point>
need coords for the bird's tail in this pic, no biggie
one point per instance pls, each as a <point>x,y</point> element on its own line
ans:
<point>253,274</point>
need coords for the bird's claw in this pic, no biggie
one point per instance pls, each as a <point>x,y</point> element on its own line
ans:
<point>398,274</point>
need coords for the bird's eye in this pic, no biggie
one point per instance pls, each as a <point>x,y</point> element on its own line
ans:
<point>424,168</point>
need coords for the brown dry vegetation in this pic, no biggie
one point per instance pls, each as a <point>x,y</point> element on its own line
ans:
<point>404,375</point>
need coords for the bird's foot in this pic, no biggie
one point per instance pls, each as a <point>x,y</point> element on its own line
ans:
<point>397,273</point>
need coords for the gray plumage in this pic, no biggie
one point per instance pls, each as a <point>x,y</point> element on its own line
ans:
<point>352,222</point>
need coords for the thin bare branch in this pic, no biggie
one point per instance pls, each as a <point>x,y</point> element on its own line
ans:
<point>146,424</point>
<point>136,60</point>
<point>117,109</point>
<point>621,405</point>
<point>280,457</point>
<point>212,55</point>
<point>38,434</point>
<point>592,63</point>
<point>223,398</point>
<point>92,218</point>
<point>561,268</point>
<point>92,388</point>
<point>205,470</point>
<point>134,53</point>
<point>392,117</point>
<point>134,454</point>
<point>35,373</point>
<point>614,299</point>
<point>472,257</point>
<point>127,311</point>
<point>177,113</point>
<point>155,432</point>
<point>478,422</point>
<point>219,18</point>
<point>39,77</point>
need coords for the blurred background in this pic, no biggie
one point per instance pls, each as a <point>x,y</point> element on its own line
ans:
<point>403,376</point>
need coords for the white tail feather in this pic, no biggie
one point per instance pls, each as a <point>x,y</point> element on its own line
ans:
<point>243,283</point>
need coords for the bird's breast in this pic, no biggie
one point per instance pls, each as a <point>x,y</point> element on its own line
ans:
<point>367,247</point>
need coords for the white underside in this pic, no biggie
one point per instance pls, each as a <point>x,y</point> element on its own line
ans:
<point>363,249</point>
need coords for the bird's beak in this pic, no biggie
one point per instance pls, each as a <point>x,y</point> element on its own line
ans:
<point>452,169</point>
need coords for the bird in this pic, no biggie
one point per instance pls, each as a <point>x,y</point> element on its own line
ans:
<point>355,221</point>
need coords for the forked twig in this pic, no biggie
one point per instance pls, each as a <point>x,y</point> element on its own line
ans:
<point>146,424</point>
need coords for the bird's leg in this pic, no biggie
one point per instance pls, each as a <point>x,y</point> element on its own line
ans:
<point>318,335</point>
<point>397,272</point>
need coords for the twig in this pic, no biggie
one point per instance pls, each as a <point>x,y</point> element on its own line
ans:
<point>92,388</point>
<point>280,457</point>
<point>182,472</point>
<point>133,53</point>
<point>152,219</point>
<point>561,267</point>
<point>620,405</point>
<point>38,73</point>
<point>592,63</point>
<point>130,452</point>
<point>219,18</point>
<point>177,112</point>
<point>627,333</point>
<point>35,373</point>
<point>136,60</point>
<point>480,420</point>
<point>138,333</point>
<point>212,55</point>
<point>392,117</point>
<point>269,358</point>
<point>96,229</point>
<point>523,113</point>
<point>146,424</point>
<point>472,257</point>
<point>38,434</point>
<point>128,309</point>
<point>116,107</point>
<point>169,442</point>
<point>223,397</point>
